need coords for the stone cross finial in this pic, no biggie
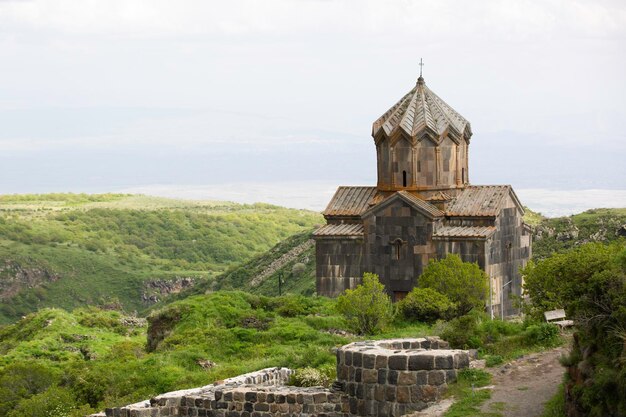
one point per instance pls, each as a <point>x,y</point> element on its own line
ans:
<point>421,64</point>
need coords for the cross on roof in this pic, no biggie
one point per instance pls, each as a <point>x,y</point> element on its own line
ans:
<point>421,64</point>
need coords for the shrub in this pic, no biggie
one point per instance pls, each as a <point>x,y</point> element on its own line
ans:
<point>55,401</point>
<point>464,283</point>
<point>298,268</point>
<point>544,334</point>
<point>311,377</point>
<point>493,360</point>
<point>425,304</point>
<point>463,332</point>
<point>367,308</point>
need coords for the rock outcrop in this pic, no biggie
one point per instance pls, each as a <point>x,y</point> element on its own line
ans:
<point>15,277</point>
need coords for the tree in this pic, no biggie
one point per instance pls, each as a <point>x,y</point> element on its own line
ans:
<point>367,307</point>
<point>425,304</point>
<point>589,282</point>
<point>464,283</point>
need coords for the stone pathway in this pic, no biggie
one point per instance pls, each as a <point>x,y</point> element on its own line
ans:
<point>522,387</point>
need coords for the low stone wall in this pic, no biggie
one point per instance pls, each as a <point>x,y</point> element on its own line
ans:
<point>374,378</point>
<point>255,401</point>
<point>168,404</point>
<point>396,377</point>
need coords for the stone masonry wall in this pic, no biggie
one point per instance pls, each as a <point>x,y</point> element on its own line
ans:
<point>396,377</point>
<point>374,378</point>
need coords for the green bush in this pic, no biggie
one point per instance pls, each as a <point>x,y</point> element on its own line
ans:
<point>312,377</point>
<point>463,332</point>
<point>544,334</point>
<point>589,282</point>
<point>464,283</point>
<point>493,360</point>
<point>367,308</point>
<point>425,304</point>
<point>55,401</point>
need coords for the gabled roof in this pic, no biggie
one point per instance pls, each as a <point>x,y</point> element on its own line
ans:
<point>350,201</point>
<point>340,230</point>
<point>466,232</point>
<point>422,113</point>
<point>481,201</point>
<point>439,196</point>
<point>420,205</point>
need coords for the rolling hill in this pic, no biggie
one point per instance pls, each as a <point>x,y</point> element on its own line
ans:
<point>126,251</point>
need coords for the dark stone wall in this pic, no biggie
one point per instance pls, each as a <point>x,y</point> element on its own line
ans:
<point>339,264</point>
<point>427,165</point>
<point>468,250</point>
<point>508,251</point>
<point>398,222</point>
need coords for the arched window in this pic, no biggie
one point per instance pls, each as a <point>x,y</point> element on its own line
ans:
<point>404,178</point>
<point>397,249</point>
<point>462,175</point>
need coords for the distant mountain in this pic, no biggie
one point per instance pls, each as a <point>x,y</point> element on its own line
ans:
<point>129,251</point>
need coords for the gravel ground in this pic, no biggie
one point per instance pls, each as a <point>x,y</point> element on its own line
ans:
<point>522,387</point>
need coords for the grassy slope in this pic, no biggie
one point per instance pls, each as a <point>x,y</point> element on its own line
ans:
<point>561,233</point>
<point>105,246</point>
<point>239,332</point>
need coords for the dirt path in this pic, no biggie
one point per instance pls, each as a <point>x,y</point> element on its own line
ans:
<point>522,387</point>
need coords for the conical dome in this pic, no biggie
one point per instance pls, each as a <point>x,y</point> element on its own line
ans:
<point>421,144</point>
<point>422,113</point>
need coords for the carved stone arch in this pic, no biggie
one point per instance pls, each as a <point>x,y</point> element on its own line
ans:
<point>380,137</point>
<point>400,135</point>
<point>403,167</point>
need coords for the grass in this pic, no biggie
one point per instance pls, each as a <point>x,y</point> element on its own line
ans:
<point>555,407</point>
<point>468,399</point>
<point>106,363</point>
<point>103,248</point>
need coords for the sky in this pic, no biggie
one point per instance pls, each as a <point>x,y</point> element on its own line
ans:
<point>274,100</point>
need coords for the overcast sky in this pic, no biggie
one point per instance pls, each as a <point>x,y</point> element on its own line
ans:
<point>188,95</point>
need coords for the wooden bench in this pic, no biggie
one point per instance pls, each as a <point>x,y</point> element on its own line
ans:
<point>558,317</point>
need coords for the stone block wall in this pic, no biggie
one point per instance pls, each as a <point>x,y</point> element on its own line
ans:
<point>255,401</point>
<point>374,378</point>
<point>396,377</point>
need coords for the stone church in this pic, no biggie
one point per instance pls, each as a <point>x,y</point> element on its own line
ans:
<point>423,207</point>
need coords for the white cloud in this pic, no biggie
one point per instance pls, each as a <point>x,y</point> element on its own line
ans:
<point>432,19</point>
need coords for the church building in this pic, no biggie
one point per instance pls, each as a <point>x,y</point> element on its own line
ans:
<point>423,207</point>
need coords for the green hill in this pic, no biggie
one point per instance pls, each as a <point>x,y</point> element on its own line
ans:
<point>557,234</point>
<point>90,359</point>
<point>130,251</point>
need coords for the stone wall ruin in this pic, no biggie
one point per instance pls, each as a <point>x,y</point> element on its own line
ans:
<point>385,378</point>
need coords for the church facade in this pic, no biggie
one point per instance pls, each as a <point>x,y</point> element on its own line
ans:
<point>423,207</point>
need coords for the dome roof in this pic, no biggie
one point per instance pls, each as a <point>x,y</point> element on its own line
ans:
<point>422,113</point>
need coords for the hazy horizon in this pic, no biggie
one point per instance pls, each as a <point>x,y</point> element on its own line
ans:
<point>100,96</point>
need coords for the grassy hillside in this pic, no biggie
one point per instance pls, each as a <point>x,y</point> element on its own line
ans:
<point>69,250</point>
<point>93,358</point>
<point>83,361</point>
<point>560,233</point>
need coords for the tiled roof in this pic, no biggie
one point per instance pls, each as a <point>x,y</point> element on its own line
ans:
<point>439,196</point>
<point>350,201</point>
<point>340,230</point>
<point>464,232</point>
<point>418,203</point>
<point>479,200</point>
<point>434,211</point>
<point>422,111</point>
